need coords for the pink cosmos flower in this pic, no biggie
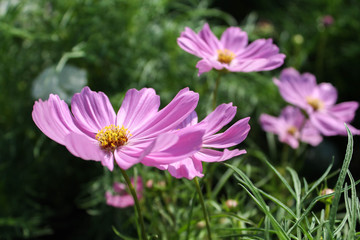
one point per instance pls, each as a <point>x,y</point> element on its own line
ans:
<point>291,127</point>
<point>192,166</point>
<point>121,198</point>
<point>318,101</point>
<point>139,132</point>
<point>231,52</point>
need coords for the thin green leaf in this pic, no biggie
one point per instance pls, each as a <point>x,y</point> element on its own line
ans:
<point>121,235</point>
<point>340,181</point>
<point>260,201</point>
<point>262,157</point>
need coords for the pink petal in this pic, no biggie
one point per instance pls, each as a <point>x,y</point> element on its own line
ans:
<point>119,201</point>
<point>119,187</point>
<point>188,141</point>
<point>127,156</point>
<point>170,116</point>
<point>248,65</point>
<point>54,119</point>
<point>327,93</point>
<point>231,137</point>
<point>187,168</point>
<point>234,39</point>
<point>92,110</point>
<point>82,146</point>
<point>260,48</point>
<point>271,124</point>
<point>295,89</point>
<point>191,120</point>
<point>209,38</point>
<point>217,119</point>
<point>290,140</point>
<point>210,155</point>
<point>137,107</point>
<point>344,111</point>
<point>204,65</point>
<point>327,124</point>
<point>311,135</point>
<point>292,116</point>
<point>193,44</point>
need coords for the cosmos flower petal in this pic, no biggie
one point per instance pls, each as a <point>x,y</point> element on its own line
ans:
<point>211,155</point>
<point>191,120</point>
<point>209,38</point>
<point>290,140</point>
<point>234,39</point>
<point>193,44</point>
<point>171,115</point>
<point>92,110</point>
<point>81,145</point>
<point>53,118</point>
<point>166,151</point>
<point>248,65</point>
<point>293,89</point>
<point>345,111</point>
<point>310,135</point>
<point>293,116</point>
<point>270,123</point>
<point>127,156</point>
<point>187,168</point>
<point>137,107</point>
<point>119,201</point>
<point>231,137</point>
<point>204,66</point>
<point>260,48</point>
<point>329,125</point>
<point>327,93</point>
<point>217,119</point>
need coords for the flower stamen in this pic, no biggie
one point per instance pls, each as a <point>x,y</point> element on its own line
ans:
<point>225,56</point>
<point>315,103</point>
<point>292,130</point>
<point>111,137</point>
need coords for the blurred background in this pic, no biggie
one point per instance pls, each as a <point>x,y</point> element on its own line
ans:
<point>114,45</point>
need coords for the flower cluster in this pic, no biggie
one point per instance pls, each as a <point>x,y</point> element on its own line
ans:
<point>139,132</point>
<point>317,101</point>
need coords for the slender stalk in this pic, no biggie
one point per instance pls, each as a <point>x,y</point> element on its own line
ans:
<point>206,215</point>
<point>285,156</point>
<point>217,83</point>
<point>327,210</point>
<point>137,205</point>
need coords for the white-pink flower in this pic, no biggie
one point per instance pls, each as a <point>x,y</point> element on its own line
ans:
<point>232,52</point>
<point>291,127</point>
<point>138,133</point>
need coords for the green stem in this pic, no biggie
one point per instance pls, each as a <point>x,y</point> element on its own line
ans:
<point>206,215</point>
<point>137,205</point>
<point>285,156</point>
<point>217,83</point>
<point>327,210</point>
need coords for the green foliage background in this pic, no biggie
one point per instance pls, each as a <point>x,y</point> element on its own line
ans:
<point>46,193</point>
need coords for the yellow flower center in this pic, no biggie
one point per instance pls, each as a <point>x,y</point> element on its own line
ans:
<point>112,137</point>
<point>225,56</point>
<point>292,130</point>
<point>315,103</point>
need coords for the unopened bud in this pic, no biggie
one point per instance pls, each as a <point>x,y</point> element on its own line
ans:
<point>324,192</point>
